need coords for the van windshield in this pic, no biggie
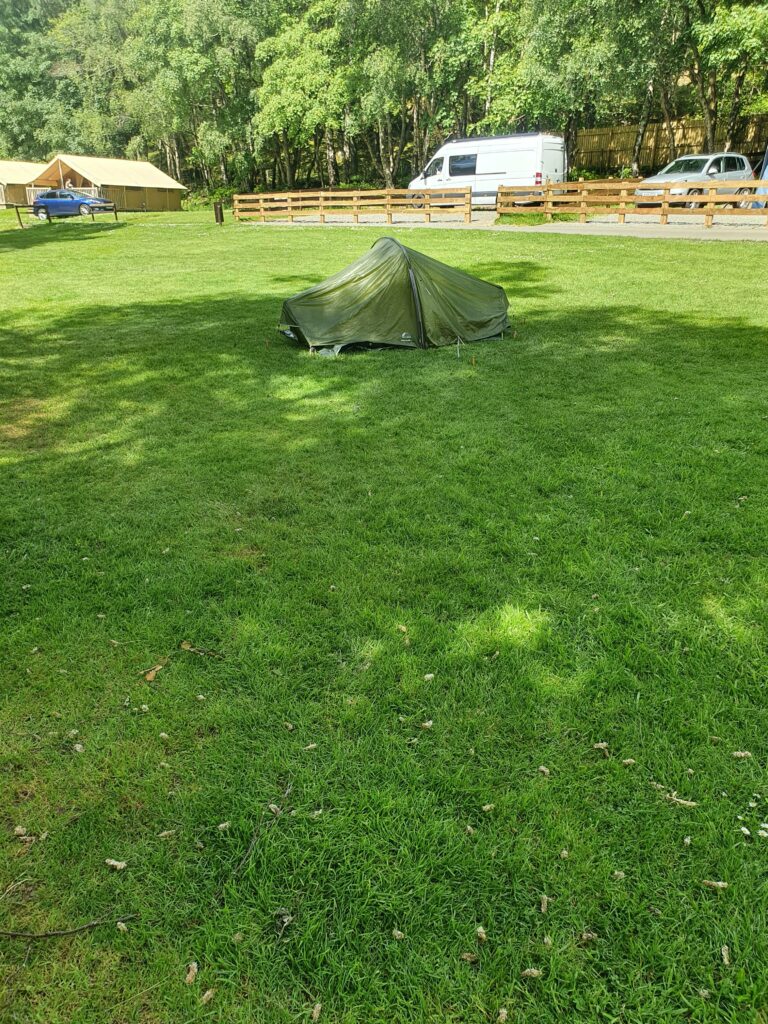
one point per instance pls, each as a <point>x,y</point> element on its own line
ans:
<point>434,167</point>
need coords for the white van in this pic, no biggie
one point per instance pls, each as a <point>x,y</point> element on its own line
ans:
<point>485,163</point>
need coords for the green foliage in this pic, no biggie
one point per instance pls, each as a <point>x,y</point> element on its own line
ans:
<point>252,94</point>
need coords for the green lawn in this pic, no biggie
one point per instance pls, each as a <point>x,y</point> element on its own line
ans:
<point>539,544</point>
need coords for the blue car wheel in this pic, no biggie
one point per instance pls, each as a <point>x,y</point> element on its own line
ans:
<point>84,210</point>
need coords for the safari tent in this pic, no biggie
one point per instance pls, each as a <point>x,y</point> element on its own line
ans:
<point>15,175</point>
<point>130,184</point>
<point>393,295</point>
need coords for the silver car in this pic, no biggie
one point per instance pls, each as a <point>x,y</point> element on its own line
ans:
<point>714,167</point>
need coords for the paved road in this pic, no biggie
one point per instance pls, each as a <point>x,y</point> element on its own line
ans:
<point>725,228</point>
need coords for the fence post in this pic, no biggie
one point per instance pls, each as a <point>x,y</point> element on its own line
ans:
<point>548,200</point>
<point>583,205</point>
<point>708,216</point>
<point>290,209</point>
<point>664,215</point>
<point>355,207</point>
<point>468,206</point>
<point>427,207</point>
<point>623,206</point>
<point>321,204</point>
<point>388,205</point>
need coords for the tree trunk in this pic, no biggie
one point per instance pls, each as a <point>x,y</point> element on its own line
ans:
<point>491,60</point>
<point>287,161</point>
<point>641,130</point>
<point>734,115</point>
<point>330,159</point>
<point>672,141</point>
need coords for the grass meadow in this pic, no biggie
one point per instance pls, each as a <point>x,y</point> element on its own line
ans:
<point>292,638</point>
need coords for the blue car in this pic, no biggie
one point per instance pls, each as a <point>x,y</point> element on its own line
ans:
<point>67,202</point>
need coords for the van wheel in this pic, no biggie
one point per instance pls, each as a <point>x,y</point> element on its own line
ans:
<point>744,204</point>
<point>417,201</point>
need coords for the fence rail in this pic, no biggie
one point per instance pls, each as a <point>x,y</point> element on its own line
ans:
<point>691,198</point>
<point>400,201</point>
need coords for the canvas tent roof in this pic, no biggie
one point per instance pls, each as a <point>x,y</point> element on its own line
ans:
<point>18,172</point>
<point>107,171</point>
<point>393,295</point>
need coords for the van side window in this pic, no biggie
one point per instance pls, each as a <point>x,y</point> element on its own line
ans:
<point>459,166</point>
<point>434,167</point>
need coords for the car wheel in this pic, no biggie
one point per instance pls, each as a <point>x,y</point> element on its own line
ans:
<point>744,204</point>
<point>84,210</point>
<point>42,214</point>
<point>693,205</point>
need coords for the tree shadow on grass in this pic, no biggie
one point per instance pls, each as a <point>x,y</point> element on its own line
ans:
<point>39,233</point>
<point>522,515</point>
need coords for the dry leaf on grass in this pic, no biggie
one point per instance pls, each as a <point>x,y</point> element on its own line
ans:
<point>469,958</point>
<point>275,809</point>
<point>207,996</point>
<point>200,697</point>
<point>564,854</point>
<point>72,733</point>
<point>469,830</point>
<point>725,953</point>
<point>78,748</point>
<point>223,826</point>
<point>164,736</point>
<point>547,940</point>
<point>488,808</point>
<point>704,993</point>
<point>628,762</point>
<point>544,770</point>
<point>289,726</point>
<point>482,935</point>
<point>710,884</point>
<point>586,937</point>
<point>603,747</point>
<point>675,799</point>
<point>397,934</point>
<point>121,926</point>
<point>19,831</point>
<point>311,746</point>
<point>427,724</point>
<point>317,1009</point>
<point>191,973</point>
<point>686,840</point>
<point>618,875</point>
<point>503,1015</point>
<point>544,904</point>
<point>167,834</point>
<point>429,677</point>
<point>150,673</point>
<point>531,972</point>
<point>185,645</point>
<point>116,865</point>
<point>741,754</point>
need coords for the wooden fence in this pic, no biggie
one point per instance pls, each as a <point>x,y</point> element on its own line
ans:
<point>620,196</point>
<point>603,149</point>
<point>388,202</point>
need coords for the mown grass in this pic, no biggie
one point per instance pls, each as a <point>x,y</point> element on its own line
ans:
<point>565,529</point>
<point>531,218</point>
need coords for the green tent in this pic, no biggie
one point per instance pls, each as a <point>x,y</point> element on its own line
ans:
<point>394,295</point>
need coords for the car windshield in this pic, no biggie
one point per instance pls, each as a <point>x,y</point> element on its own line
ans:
<point>686,165</point>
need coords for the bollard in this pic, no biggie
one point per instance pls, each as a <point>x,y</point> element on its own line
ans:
<point>218,212</point>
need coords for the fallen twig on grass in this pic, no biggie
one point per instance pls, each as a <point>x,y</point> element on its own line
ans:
<point>257,831</point>
<point>67,931</point>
